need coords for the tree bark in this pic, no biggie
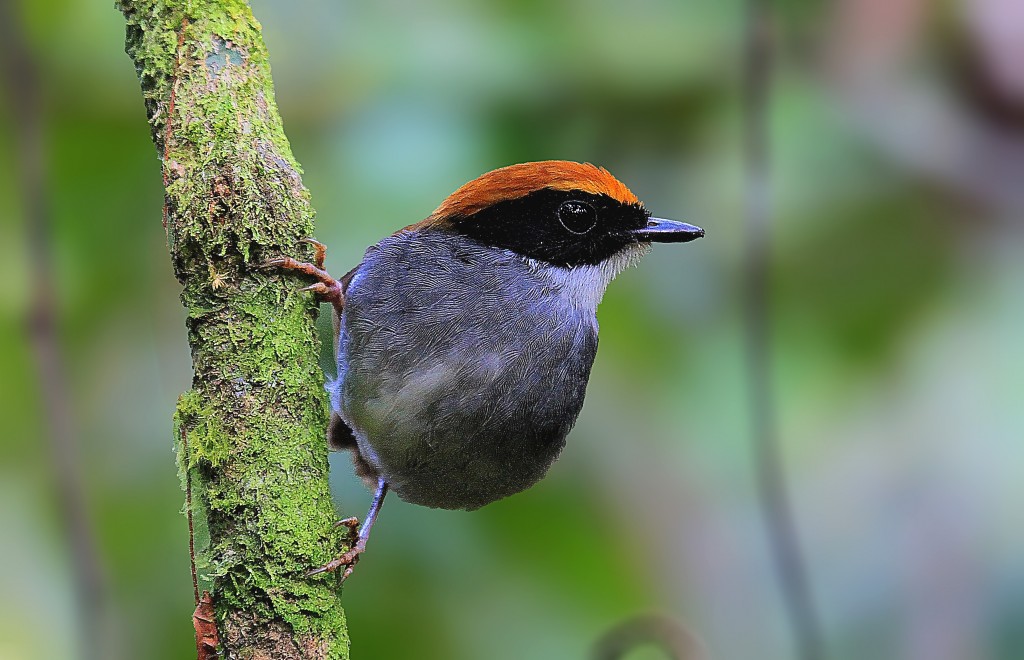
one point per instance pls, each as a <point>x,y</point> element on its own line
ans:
<point>250,432</point>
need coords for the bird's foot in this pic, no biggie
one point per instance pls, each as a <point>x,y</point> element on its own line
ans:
<point>348,559</point>
<point>343,559</point>
<point>326,287</point>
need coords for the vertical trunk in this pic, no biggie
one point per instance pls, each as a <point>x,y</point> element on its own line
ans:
<point>251,429</point>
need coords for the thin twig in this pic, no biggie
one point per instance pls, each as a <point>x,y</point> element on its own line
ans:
<point>186,465</point>
<point>22,81</point>
<point>771,477</point>
<point>672,637</point>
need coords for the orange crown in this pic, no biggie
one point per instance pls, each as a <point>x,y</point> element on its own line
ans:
<point>520,180</point>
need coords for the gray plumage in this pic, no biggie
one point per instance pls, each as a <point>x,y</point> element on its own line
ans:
<point>461,367</point>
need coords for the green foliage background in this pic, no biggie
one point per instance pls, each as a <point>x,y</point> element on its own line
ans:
<point>898,330</point>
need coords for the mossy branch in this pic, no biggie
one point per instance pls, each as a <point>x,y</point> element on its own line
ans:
<point>253,423</point>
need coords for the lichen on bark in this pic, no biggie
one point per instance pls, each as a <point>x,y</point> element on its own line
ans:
<point>251,429</point>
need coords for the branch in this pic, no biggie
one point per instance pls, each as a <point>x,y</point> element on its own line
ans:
<point>771,474</point>
<point>250,432</point>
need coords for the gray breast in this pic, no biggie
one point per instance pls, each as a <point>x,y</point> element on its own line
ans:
<point>460,368</point>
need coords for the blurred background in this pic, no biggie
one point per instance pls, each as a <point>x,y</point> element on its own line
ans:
<point>898,305</point>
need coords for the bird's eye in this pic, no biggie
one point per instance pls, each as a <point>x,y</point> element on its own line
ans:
<point>578,217</point>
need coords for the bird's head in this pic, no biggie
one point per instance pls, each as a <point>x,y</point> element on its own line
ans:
<point>574,216</point>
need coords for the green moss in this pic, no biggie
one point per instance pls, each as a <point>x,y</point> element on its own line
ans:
<point>209,442</point>
<point>255,418</point>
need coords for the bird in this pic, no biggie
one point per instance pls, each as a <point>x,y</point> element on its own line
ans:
<point>464,342</point>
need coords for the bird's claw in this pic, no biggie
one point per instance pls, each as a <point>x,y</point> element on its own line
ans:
<point>319,251</point>
<point>320,289</point>
<point>326,287</point>
<point>352,523</point>
<point>347,559</point>
<point>353,529</point>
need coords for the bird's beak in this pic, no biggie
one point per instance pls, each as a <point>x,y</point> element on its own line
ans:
<point>659,230</point>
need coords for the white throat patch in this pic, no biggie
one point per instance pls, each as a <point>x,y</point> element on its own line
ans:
<point>585,285</point>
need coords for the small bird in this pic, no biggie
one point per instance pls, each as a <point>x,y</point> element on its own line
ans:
<point>464,342</point>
